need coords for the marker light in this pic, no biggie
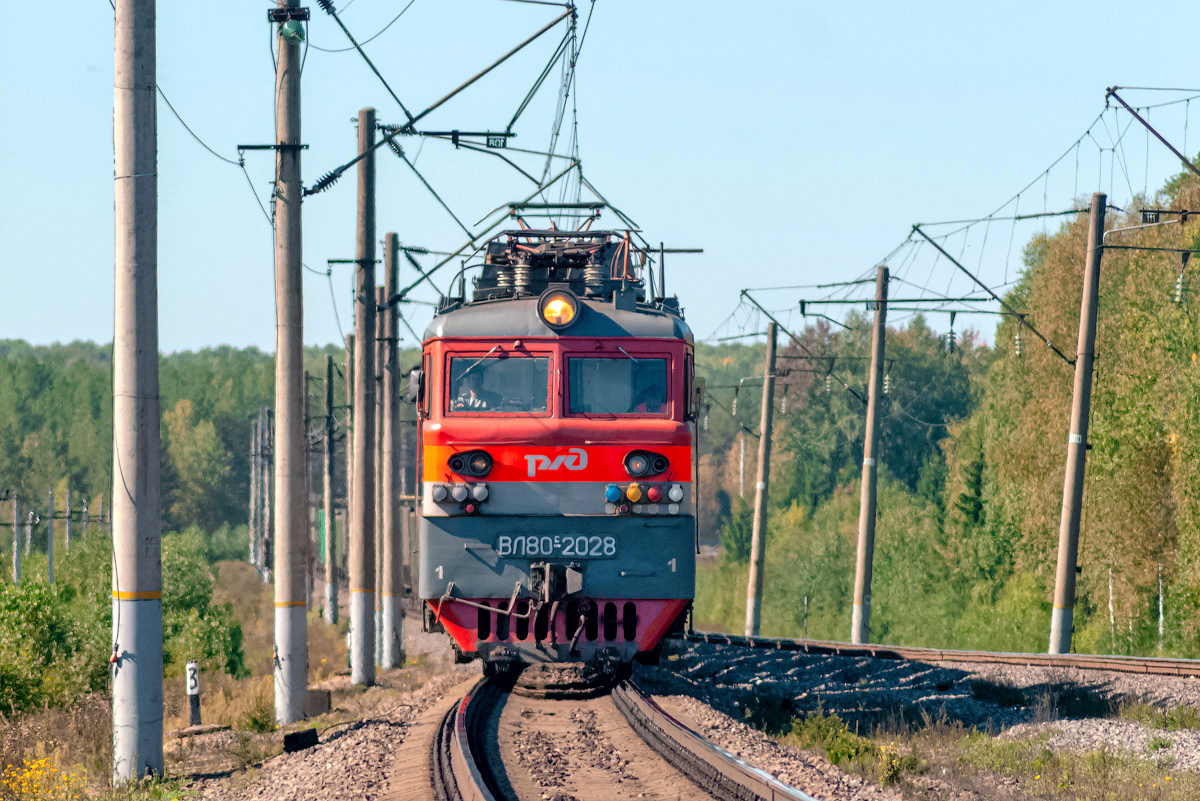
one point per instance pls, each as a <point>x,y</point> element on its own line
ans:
<point>612,493</point>
<point>470,509</point>
<point>479,492</point>
<point>459,493</point>
<point>558,308</point>
<point>675,493</point>
<point>654,495</point>
<point>634,493</point>
<point>438,493</point>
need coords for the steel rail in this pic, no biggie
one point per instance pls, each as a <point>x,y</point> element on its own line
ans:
<point>718,772</point>
<point>455,768</point>
<point>460,772</point>
<point>1149,665</point>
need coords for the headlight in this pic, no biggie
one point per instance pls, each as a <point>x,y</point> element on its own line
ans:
<point>471,463</point>
<point>644,463</point>
<point>558,308</point>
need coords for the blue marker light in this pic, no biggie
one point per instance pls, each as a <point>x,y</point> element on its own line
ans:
<point>612,494</point>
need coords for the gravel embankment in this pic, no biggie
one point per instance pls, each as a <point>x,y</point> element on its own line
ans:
<point>718,689</point>
<point>352,759</point>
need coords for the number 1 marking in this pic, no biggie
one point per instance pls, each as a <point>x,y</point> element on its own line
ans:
<point>439,571</point>
<point>672,564</point>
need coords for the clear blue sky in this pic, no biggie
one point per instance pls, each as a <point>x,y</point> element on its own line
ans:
<point>796,142</point>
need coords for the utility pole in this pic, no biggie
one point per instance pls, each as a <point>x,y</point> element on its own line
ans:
<point>1063,614</point>
<point>380,472</point>
<point>50,538</point>
<point>860,617</point>
<point>267,486</point>
<point>137,658</point>
<point>742,466</point>
<point>408,452</point>
<point>362,495</point>
<point>290,445</point>
<point>331,577</point>
<point>16,528</point>
<point>348,442</point>
<point>254,472</point>
<point>309,510</point>
<point>393,578</point>
<point>68,518</point>
<point>758,545</point>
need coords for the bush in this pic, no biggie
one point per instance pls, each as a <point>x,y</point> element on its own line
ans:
<point>829,734</point>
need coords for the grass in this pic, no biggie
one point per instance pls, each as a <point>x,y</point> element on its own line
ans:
<point>1175,718</point>
<point>76,740</point>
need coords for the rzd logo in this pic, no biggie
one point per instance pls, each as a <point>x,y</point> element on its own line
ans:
<point>573,459</point>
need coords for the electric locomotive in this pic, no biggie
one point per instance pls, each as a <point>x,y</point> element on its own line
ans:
<point>557,410</point>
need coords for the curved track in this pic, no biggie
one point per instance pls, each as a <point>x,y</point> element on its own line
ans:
<point>467,766</point>
<point>1122,664</point>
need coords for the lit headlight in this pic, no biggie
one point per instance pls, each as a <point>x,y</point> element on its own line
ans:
<point>558,308</point>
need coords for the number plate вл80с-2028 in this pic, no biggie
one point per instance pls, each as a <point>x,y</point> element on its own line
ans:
<point>567,546</point>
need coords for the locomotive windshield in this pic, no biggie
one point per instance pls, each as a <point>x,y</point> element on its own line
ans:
<point>499,384</point>
<point>623,385</point>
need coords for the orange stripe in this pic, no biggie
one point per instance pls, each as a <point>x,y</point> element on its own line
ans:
<point>141,595</point>
<point>557,463</point>
<point>357,589</point>
<point>280,604</point>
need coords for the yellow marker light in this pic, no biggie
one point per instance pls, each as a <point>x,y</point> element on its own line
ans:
<point>558,308</point>
<point>634,493</point>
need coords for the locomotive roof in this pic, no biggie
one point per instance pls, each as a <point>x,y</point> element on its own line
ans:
<point>519,317</point>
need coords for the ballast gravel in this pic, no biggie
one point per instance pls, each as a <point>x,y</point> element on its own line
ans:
<point>721,688</point>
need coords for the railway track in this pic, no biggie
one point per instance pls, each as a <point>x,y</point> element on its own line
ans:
<point>481,751</point>
<point>1123,664</point>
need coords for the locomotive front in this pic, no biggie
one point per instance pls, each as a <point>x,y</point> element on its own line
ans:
<point>557,412</point>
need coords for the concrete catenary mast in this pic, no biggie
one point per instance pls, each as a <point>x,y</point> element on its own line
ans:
<point>290,445</point>
<point>362,493</point>
<point>1063,613</point>
<point>137,657</point>
<point>392,594</point>
<point>860,616</point>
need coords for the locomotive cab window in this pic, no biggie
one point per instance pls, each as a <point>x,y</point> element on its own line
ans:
<point>623,385</point>
<point>498,385</point>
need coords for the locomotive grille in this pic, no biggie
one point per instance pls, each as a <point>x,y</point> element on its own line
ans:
<point>608,621</point>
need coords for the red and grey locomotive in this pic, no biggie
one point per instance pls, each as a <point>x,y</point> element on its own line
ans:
<point>557,414</point>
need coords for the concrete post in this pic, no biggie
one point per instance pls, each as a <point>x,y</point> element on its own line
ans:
<point>290,445</point>
<point>192,674</point>
<point>758,545</point>
<point>50,537</point>
<point>1062,615</point>
<point>362,494</point>
<point>310,511</point>
<point>137,658</point>
<point>860,617</point>
<point>254,473</point>
<point>16,532</point>
<point>393,579</point>
<point>331,577</point>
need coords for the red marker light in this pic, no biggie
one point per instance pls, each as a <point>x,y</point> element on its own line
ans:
<point>654,494</point>
<point>470,508</point>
